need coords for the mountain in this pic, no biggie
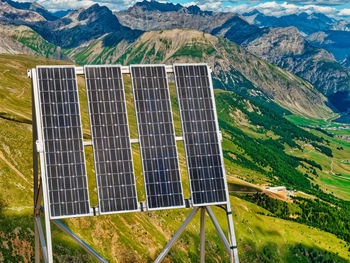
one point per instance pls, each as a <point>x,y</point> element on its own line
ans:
<point>307,23</point>
<point>12,15</point>
<point>318,29</point>
<point>9,45</point>
<point>234,68</point>
<point>335,41</point>
<point>284,46</point>
<point>24,40</point>
<point>83,25</point>
<point>31,6</point>
<point>72,30</point>
<point>237,30</point>
<point>95,35</point>
<point>80,29</point>
<point>153,15</point>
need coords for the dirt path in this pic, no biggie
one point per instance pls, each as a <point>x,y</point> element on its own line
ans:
<point>332,167</point>
<point>2,157</point>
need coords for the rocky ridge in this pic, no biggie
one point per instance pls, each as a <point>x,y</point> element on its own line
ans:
<point>233,67</point>
<point>284,46</point>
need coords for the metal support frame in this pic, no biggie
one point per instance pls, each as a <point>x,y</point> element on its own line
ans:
<point>43,241</point>
<point>230,248</point>
<point>176,236</point>
<point>202,236</point>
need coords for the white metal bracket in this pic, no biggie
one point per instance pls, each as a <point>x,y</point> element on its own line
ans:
<point>39,147</point>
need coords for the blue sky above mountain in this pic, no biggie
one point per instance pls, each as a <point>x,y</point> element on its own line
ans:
<point>335,8</point>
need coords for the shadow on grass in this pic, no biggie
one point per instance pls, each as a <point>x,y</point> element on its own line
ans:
<point>17,240</point>
<point>17,245</point>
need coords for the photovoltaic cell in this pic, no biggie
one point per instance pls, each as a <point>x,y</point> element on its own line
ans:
<point>111,139</point>
<point>157,137</point>
<point>63,142</point>
<point>200,130</point>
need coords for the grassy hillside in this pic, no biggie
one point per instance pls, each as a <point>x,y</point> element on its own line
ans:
<point>333,174</point>
<point>139,237</point>
<point>234,68</point>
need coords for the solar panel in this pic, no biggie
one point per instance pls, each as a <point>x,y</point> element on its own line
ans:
<point>111,140</point>
<point>200,130</point>
<point>157,137</point>
<point>63,142</point>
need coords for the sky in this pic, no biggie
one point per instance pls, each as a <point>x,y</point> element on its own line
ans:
<point>332,8</point>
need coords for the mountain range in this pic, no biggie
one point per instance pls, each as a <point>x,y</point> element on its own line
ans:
<point>96,35</point>
<point>283,44</point>
<point>319,29</point>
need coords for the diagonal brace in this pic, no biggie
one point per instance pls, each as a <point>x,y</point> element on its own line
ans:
<point>218,229</point>
<point>177,235</point>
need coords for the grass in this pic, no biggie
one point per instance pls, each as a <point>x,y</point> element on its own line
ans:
<point>328,178</point>
<point>302,121</point>
<point>340,132</point>
<point>134,237</point>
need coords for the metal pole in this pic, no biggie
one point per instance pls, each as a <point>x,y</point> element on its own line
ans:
<point>231,234</point>
<point>37,243</point>
<point>202,236</point>
<point>38,224</point>
<point>176,236</point>
<point>42,169</point>
<point>35,178</point>
<point>218,229</point>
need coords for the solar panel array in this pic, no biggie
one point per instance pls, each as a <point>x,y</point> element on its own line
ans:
<point>63,142</point>
<point>199,126</point>
<point>111,139</point>
<point>63,139</point>
<point>157,137</point>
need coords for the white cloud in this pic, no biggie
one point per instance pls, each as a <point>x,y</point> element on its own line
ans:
<point>281,9</point>
<point>190,3</point>
<point>320,2</point>
<point>216,6</point>
<point>345,12</point>
<point>268,8</point>
<point>276,9</point>
<point>55,5</point>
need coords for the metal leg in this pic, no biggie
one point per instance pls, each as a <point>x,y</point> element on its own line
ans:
<point>36,180</point>
<point>47,226</point>
<point>231,234</point>
<point>218,229</point>
<point>42,238</point>
<point>176,236</point>
<point>38,134</point>
<point>202,237</point>
<point>37,243</point>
